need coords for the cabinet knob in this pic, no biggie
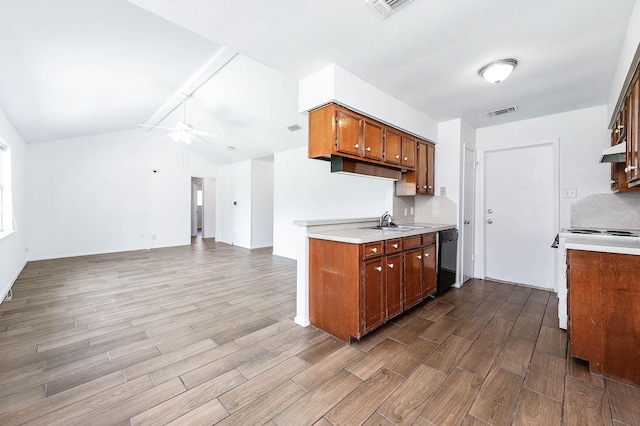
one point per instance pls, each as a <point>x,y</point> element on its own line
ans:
<point>613,182</point>
<point>379,268</point>
<point>395,246</point>
<point>398,156</point>
<point>426,255</point>
<point>375,249</point>
<point>406,158</point>
<point>391,265</point>
<point>419,256</point>
<point>429,186</point>
<point>368,148</point>
<point>425,186</point>
<point>357,145</point>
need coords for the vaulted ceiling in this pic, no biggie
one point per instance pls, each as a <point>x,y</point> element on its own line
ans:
<point>79,67</point>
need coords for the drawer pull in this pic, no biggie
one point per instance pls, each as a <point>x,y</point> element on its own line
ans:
<point>419,257</point>
<point>356,145</point>
<point>391,265</point>
<point>369,148</point>
<point>375,249</point>
<point>395,246</point>
<point>406,158</point>
<point>398,156</point>
<point>379,268</point>
<point>426,255</point>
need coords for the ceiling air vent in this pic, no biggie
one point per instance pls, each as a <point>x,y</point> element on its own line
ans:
<point>386,7</point>
<point>502,111</point>
<point>294,127</point>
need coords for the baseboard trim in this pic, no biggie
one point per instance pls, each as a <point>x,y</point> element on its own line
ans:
<point>13,281</point>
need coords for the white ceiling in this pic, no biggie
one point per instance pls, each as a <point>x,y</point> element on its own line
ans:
<point>77,67</point>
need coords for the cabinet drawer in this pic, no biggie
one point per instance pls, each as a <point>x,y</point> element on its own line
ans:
<point>412,242</point>
<point>428,239</point>
<point>373,249</point>
<point>393,246</point>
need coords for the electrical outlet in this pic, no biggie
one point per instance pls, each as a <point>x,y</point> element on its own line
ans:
<point>443,190</point>
<point>570,193</point>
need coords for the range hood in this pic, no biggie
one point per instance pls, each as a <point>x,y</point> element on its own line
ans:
<point>615,154</point>
<point>354,167</point>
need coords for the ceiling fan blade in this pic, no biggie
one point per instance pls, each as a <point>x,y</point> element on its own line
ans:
<point>201,133</point>
<point>157,127</point>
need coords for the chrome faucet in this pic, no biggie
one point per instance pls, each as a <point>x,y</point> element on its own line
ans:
<point>385,218</point>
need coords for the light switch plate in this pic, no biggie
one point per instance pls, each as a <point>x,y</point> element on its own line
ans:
<point>443,190</point>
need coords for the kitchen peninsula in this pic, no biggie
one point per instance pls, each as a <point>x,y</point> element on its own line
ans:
<point>353,278</point>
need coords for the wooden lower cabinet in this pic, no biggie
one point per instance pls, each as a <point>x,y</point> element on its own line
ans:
<point>604,312</point>
<point>373,294</point>
<point>355,288</point>
<point>394,288</point>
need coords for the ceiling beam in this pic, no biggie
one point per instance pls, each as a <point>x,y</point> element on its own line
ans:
<point>208,70</point>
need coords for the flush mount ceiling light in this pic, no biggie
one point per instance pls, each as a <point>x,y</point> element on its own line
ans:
<point>497,71</point>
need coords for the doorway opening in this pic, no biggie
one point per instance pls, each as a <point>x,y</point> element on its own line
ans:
<point>203,209</point>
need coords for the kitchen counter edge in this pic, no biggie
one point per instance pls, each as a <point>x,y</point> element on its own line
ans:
<point>367,235</point>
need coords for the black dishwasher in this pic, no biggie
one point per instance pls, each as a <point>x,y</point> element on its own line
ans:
<point>447,258</point>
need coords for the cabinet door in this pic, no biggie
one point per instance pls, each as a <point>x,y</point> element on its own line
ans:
<point>348,128</point>
<point>633,136</point>
<point>392,147</point>
<point>372,139</point>
<point>394,292</point>
<point>373,294</point>
<point>430,176</point>
<point>421,169</point>
<point>428,271</point>
<point>412,277</point>
<point>408,151</point>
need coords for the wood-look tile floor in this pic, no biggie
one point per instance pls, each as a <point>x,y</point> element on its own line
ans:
<point>204,335</point>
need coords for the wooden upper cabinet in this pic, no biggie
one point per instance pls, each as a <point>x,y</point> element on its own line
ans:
<point>632,168</point>
<point>372,140</point>
<point>338,131</point>
<point>409,147</point>
<point>425,169</point>
<point>348,129</point>
<point>392,147</point>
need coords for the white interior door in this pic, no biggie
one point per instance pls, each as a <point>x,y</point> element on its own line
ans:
<point>468,214</point>
<point>519,215</point>
<point>194,210</point>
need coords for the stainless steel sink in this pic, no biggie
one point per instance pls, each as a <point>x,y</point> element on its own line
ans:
<point>398,228</point>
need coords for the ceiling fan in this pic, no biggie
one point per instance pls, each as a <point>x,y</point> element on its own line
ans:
<point>183,131</point>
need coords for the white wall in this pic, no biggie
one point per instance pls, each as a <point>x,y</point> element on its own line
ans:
<point>209,194</point>
<point>306,189</point>
<point>12,247</point>
<point>262,202</point>
<point>626,61</point>
<point>582,135</point>
<point>333,83</point>
<point>99,194</point>
<point>235,219</point>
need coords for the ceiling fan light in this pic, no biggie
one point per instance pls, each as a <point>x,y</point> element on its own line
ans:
<point>186,138</point>
<point>498,71</point>
<point>175,136</point>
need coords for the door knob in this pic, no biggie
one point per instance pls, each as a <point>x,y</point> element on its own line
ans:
<point>489,211</point>
<point>467,222</point>
<point>489,221</point>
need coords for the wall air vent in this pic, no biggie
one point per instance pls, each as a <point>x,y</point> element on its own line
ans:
<point>502,111</point>
<point>386,7</point>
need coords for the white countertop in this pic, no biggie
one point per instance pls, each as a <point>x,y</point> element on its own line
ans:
<point>602,243</point>
<point>367,235</point>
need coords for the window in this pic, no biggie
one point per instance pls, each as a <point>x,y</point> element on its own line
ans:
<point>199,197</point>
<point>6,216</point>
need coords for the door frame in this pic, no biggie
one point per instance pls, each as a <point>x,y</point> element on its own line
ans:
<point>481,259</point>
<point>468,239</point>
